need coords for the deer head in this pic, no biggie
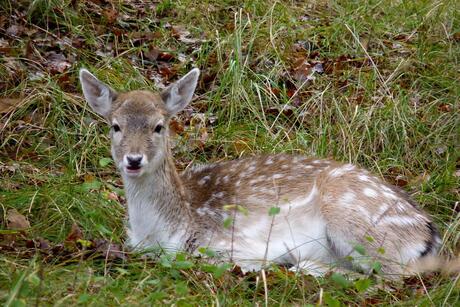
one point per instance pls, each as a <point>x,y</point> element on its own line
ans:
<point>139,120</point>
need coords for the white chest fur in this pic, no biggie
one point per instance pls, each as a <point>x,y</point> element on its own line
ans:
<point>148,224</point>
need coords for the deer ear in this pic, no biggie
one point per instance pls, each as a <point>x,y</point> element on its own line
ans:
<point>178,95</point>
<point>98,95</point>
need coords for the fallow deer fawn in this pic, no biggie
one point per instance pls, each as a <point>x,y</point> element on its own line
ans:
<point>324,209</point>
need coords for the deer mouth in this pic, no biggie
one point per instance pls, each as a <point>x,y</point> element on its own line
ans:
<point>133,170</point>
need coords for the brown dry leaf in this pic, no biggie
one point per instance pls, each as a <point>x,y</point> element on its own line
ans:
<point>176,126</point>
<point>74,234</point>
<point>167,57</point>
<point>152,54</point>
<point>182,35</point>
<point>444,107</point>
<point>9,104</point>
<point>203,135</point>
<point>57,62</point>
<point>110,250</point>
<point>111,15</point>
<point>304,70</point>
<point>456,36</point>
<point>167,71</point>
<point>112,196</point>
<point>15,30</point>
<point>16,220</point>
<point>401,181</point>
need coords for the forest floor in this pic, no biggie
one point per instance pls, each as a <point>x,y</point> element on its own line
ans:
<point>375,83</point>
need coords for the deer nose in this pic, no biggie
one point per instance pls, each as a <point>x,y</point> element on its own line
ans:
<point>134,161</point>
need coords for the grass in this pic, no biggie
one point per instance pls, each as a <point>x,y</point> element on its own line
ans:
<point>388,100</point>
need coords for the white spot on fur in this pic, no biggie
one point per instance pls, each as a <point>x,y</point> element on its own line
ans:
<point>284,166</point>
<point>385,188</point>
<point>370,192</point>
<point>400,206</point>
<point>364,178</point>
<point>341,170</point>
<point>348,197</point>
<point>400,220</point>
<point>225,179</point>
<point>277,176</point>
<point>204,180</point>
<point>268,161</point>
<point>389,195</point>
<point>201,211</point>
<point>218,194</point>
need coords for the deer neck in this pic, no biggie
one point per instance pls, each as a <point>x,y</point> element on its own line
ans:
<point>157,206</point>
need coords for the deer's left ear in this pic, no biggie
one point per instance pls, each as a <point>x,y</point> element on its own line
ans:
<point>179,94</point>
<point>98,95</point>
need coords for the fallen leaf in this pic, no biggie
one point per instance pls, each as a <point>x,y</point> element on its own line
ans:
<point>57,62</point>
<point>109,250</point>
<point>152,54</point>
<point>182,35</point>
<point>9,104</point>
<point>75,233</point>
<point>176,126</point>
<point>444,107</point>
<point>167,71</point>
<point>16,220</point>
<point>167,57</point>
<point>112,196</point>
<point>401,181</point>
<point>15,30</point>
<point>111,15</point>
<point>456,36</point>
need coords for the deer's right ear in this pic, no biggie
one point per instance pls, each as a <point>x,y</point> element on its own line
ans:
<point>99,95</point>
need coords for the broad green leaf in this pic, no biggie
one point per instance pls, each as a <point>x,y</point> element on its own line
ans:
<point>340,280</point>
<point>228,222</point>
<point>360,249</point>
<point>103,162</point>
<point>274,211</point>
<point>377,267</point>
<point>181,265</point>
<point>362,284</point>
<point>330,301</point>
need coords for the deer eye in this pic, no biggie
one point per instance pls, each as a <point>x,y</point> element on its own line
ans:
<point>158,128</point>
<point>116,128</point>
